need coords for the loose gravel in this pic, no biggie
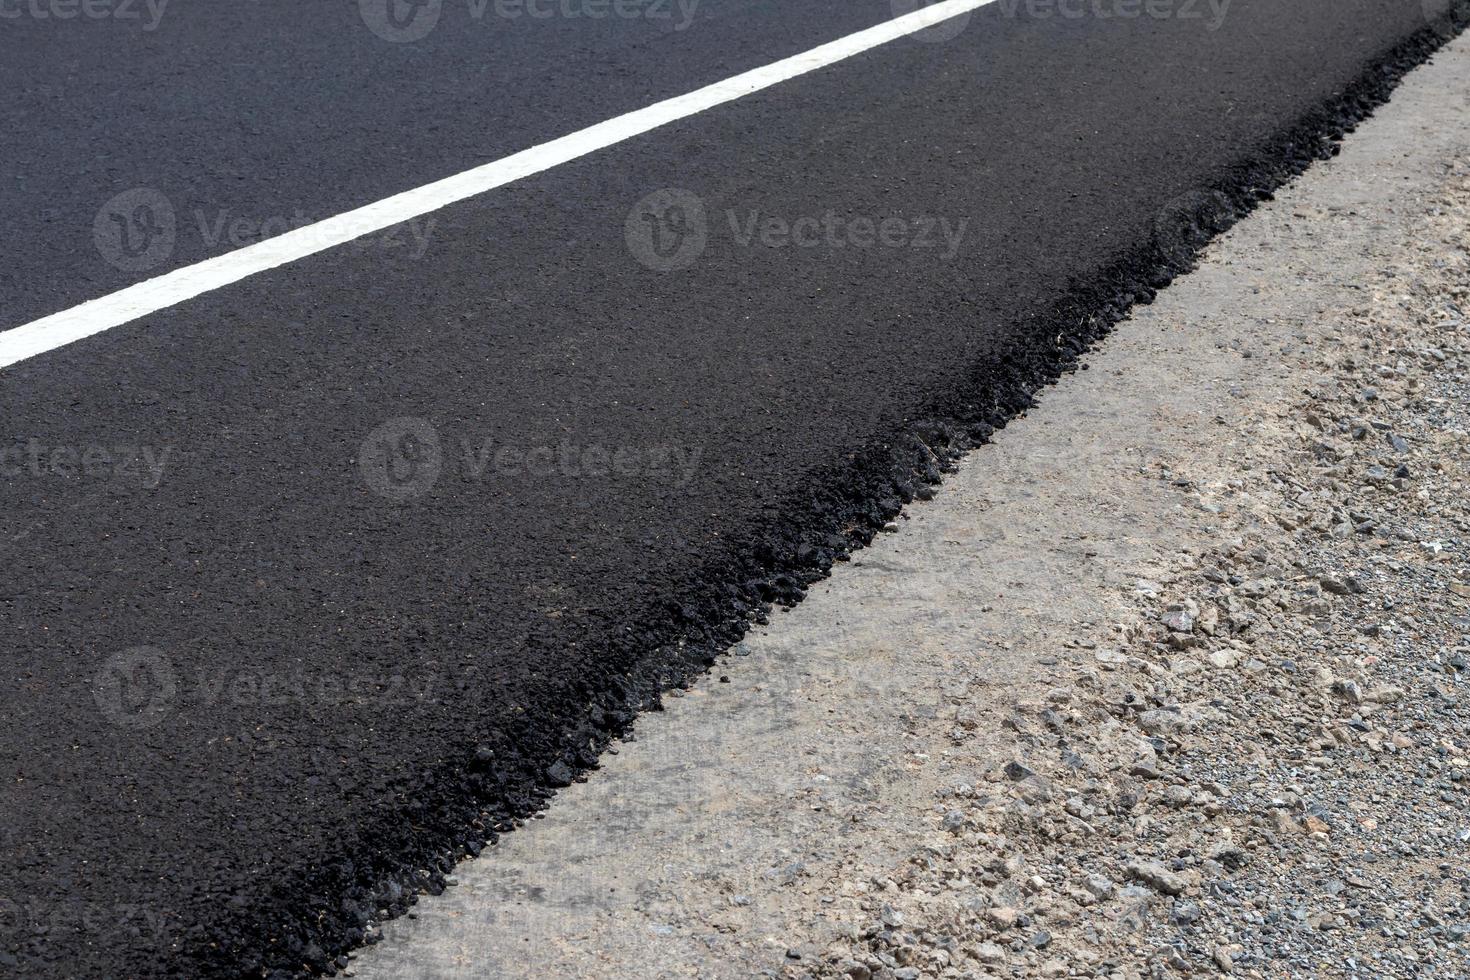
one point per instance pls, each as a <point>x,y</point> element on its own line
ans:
<point>1265,770</point>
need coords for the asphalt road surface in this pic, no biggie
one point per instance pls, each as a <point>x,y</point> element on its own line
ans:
<point>316,581</point>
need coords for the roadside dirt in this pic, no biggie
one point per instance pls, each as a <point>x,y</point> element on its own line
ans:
<point>1167,679</point>
<point>1263,765</point>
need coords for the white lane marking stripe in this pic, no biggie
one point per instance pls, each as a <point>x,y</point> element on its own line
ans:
<point>152,295</point>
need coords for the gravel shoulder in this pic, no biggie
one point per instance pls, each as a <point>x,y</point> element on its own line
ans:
<point>1168,678</point>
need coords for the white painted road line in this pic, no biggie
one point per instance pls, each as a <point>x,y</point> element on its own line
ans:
<point>152,295</point>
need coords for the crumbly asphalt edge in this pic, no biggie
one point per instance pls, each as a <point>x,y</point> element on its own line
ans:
<point>307,923</point>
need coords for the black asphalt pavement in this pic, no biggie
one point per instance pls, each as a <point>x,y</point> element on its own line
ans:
<point>272,113</point>
<point>316,582</point>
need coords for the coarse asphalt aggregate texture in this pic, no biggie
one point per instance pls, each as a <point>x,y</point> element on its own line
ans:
<point>276,109</point>
<point>366,642</point>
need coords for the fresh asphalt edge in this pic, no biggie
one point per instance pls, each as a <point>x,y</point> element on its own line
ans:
<point>307,924</point>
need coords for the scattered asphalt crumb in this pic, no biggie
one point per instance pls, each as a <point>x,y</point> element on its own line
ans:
<point>1266,772</point>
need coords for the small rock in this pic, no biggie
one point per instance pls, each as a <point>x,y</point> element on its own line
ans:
<point>1178,796</point>
<point>1341,586</point>
<point>989,953</point>
<point>1001,916</point>
<point>1178,620</point>
<point>1209,620</point>
<point>1016,772</point>
<point>1224,659</point>
<point>1282,823</point>
<point>1162,721</point>
<point>559,774</point>
<point>1158,877</point>
<point>1229,856</point>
